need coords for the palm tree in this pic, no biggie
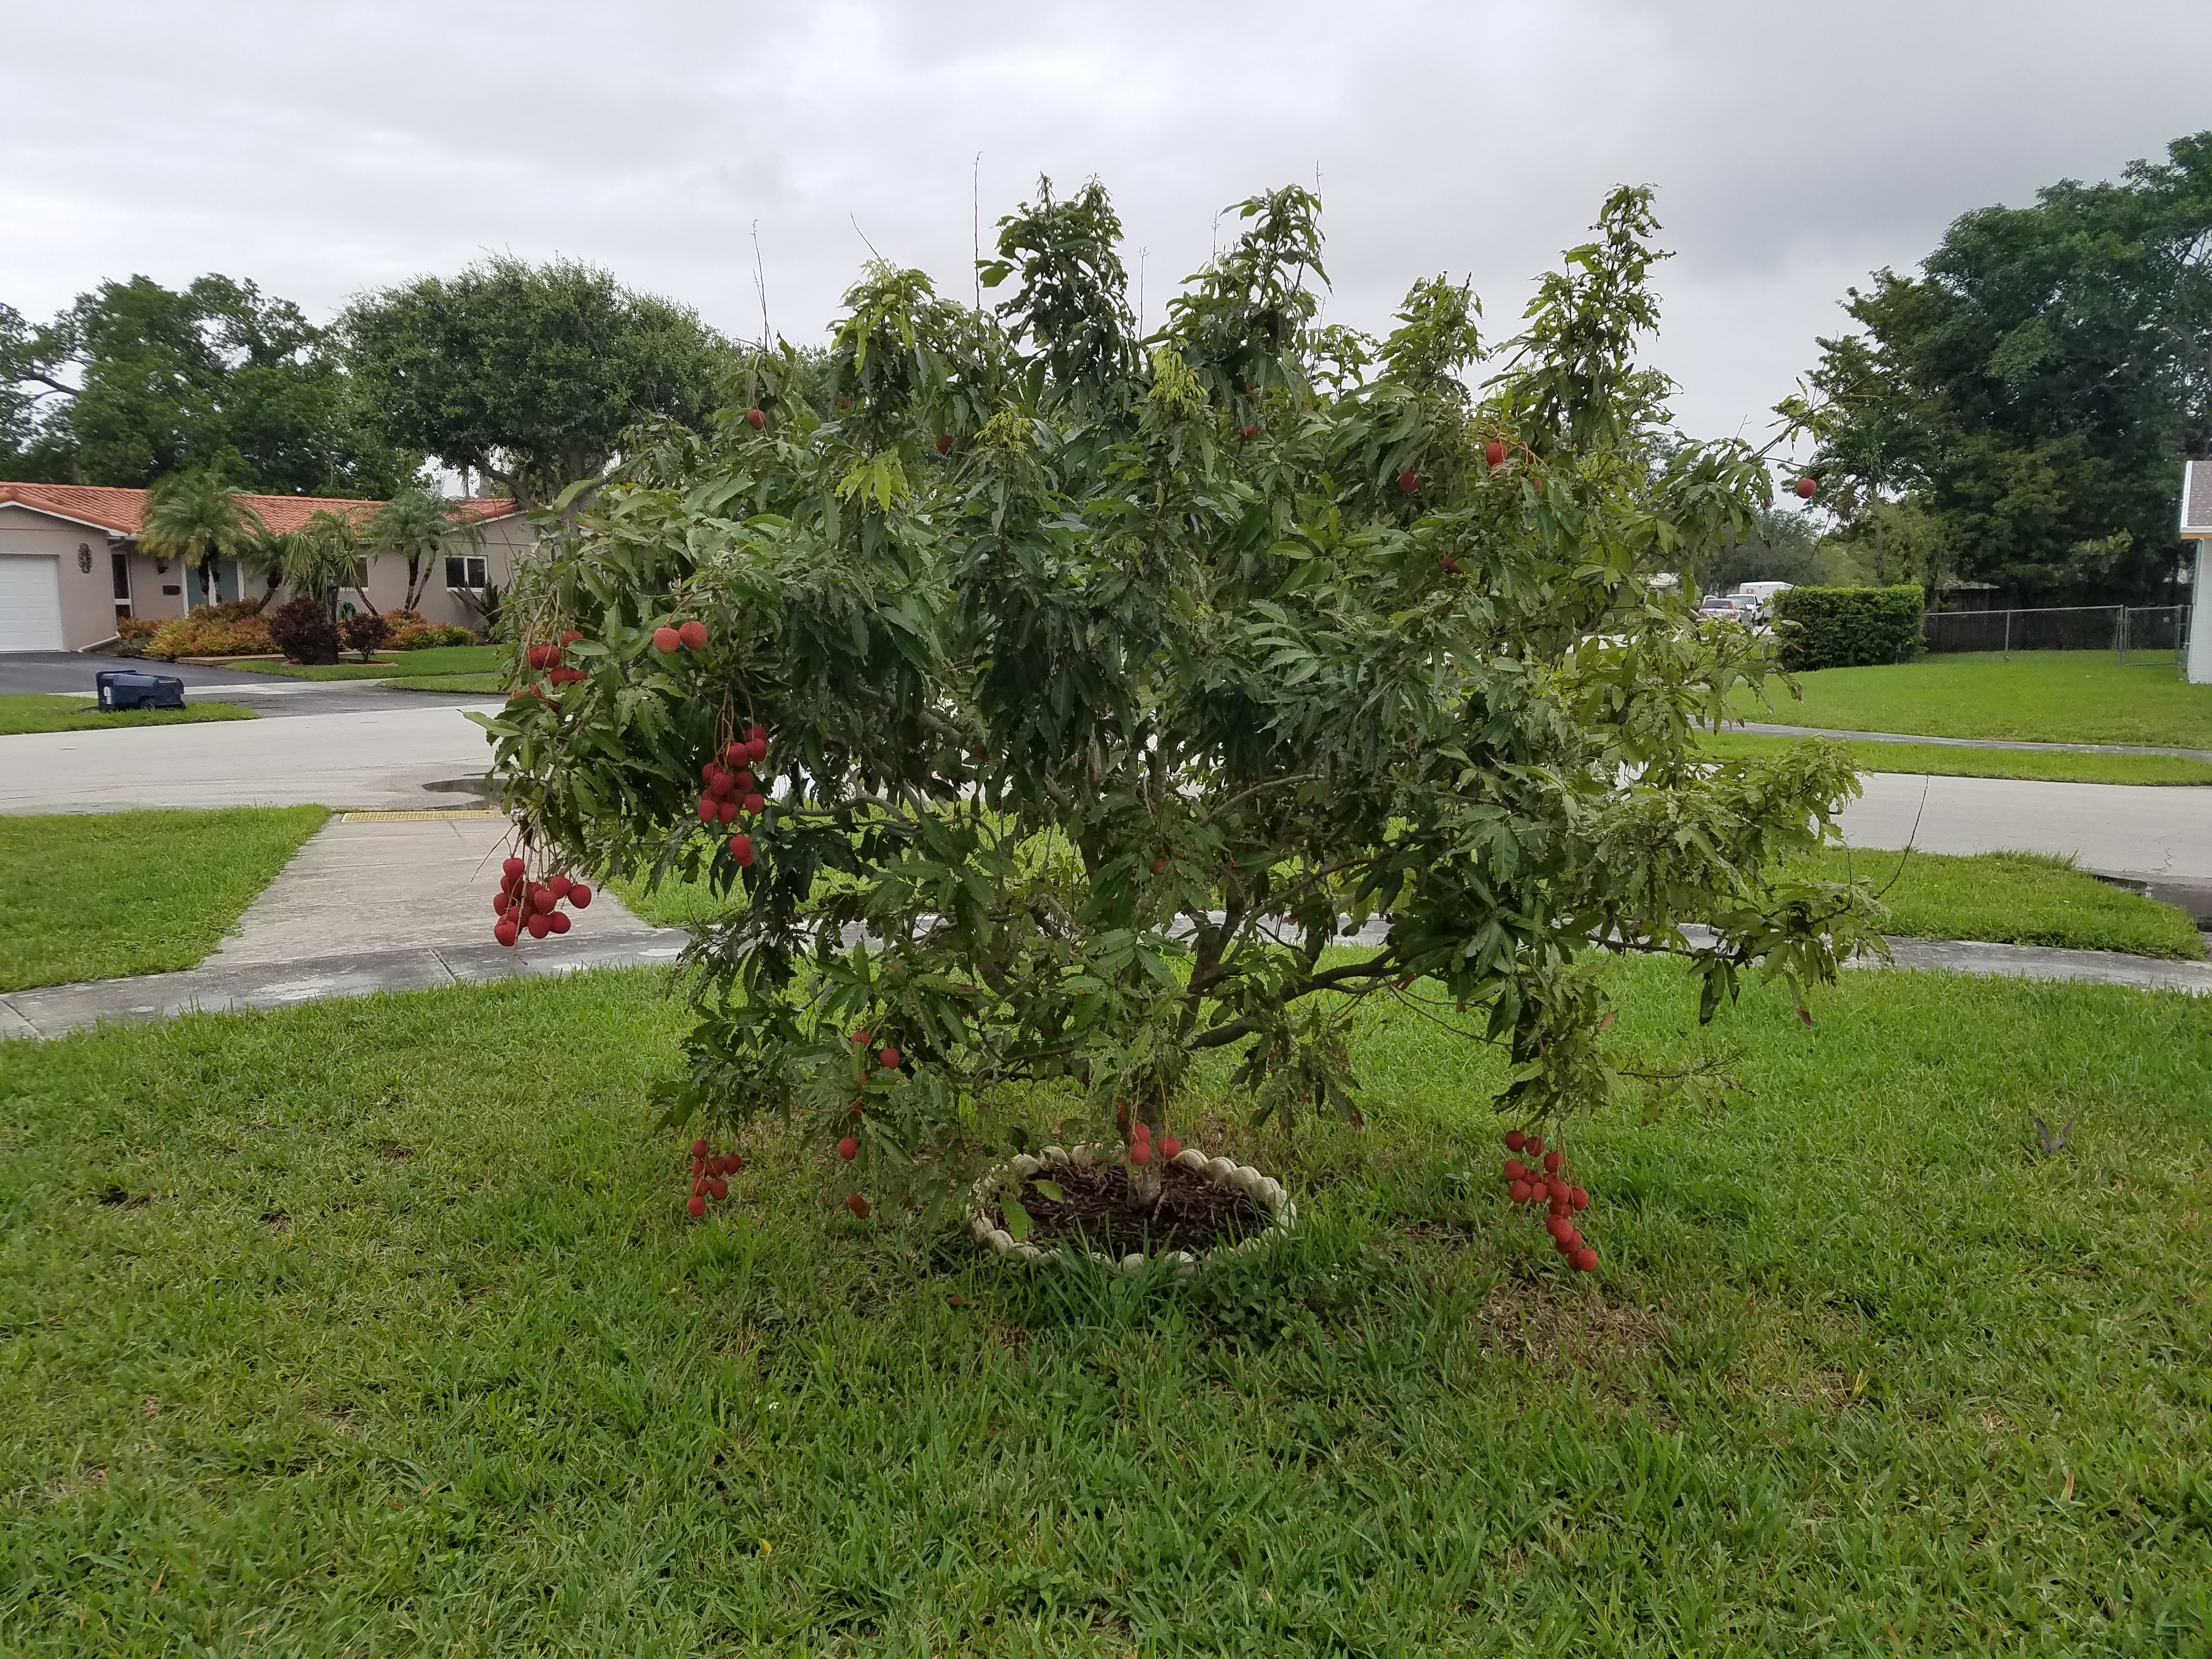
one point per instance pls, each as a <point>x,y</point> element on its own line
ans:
<point>421,526</point>
<point>324,557</point>
<point>191,517</point>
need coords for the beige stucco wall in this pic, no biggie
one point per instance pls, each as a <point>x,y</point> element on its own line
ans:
<point>502,540</point>
<point>87,597</point>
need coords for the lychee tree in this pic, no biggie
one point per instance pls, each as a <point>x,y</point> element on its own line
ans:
<point>1061,702</point>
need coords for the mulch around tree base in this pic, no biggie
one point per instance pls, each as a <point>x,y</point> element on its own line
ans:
<point>1192,1213</point>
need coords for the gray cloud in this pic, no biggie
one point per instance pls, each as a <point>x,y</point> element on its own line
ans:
<point>321,150</point>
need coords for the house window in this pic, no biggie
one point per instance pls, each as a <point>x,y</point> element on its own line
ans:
<point>467,572</point>
<point>119,564</point>
<point>361,576</point>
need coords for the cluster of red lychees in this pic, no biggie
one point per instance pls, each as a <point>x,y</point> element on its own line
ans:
<point>668,639</point>
<point>1140,1143</point>
<point>732,787</point>
<point>547,658</point>
<point>710,1174</point>
<point>524,905</point>
<point>1546,1182</point>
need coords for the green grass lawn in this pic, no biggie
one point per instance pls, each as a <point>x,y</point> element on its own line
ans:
<point>2016,898</point>
<point>373,1327</point>
<point>431,660</point>
<point>489,684</point>
<point>103,894</point>
<point>2068,765</point>
<point>35,711</point>
<point>676,903</point>
<point>2045,696</point>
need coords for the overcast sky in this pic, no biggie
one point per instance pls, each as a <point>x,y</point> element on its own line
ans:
<point>323,149</point>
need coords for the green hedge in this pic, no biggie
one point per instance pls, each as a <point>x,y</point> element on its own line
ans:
<point>1849,627</point>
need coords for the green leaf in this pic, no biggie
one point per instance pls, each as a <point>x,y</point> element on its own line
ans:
<point>1018,1218</point>
<point>1051,1189</point>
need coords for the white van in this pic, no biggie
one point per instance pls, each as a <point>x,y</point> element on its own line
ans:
<point>1763,592</point>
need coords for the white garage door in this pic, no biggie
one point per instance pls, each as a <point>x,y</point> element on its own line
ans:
<point>30,603</point>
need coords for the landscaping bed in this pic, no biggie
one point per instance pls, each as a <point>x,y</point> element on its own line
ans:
<point>90,896</point>
<point>39,711</point>
<point>364,1327</point>
<point>2044,696</point>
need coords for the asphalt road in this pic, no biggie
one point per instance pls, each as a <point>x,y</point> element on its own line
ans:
<point>2152,834</point>
<point>70,673</point>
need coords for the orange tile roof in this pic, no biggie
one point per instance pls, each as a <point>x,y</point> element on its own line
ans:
<point>121,511</point>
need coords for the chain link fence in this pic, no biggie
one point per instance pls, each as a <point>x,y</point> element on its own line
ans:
<point>2153,634</point>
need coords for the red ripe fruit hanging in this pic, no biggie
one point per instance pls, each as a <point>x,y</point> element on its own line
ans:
<point>571,637</point>
<point>720,784</point>
<point>1515,1140</point>
<point>717,1187</point>
<point>857,1205</point>
<point>581,897</point>
<point>667,641</point>
<point>1515,1169</point>
<point>512,867</point>
<point>1807,489</point>
<point>741,782</point>
<point>693,634</point>
<point>1519,1192</point>
<point>1248,431</point>
<point>849,1148</point>
<point>1578,1198</point>
<point>758,745</point>
<point>944,443</point>
<point>1451,567</point>
<point>541,900</point>
<point>539,926</point>
<point>1551,1164</point>
<point>1409,480</point>
<point>1534,1146</point>
<point>699,1184</point>
<point>557,922</point>
<point>1494,453</point>
<point>1556,1188</point>
<point>1159,866</point>
<point>505,933</point>
<point>707,805</point>
<point>726,811</point>
<point>1140,1152</point>
<point>1169,1147</point>
<point>1143,1130</point>
<point>698,1147</point>
<point>559,885</point>
<point>695,1205</point>
<point>755,419</point>
<point>741,849</point>
<point>755,803</point>
<point>500,904</point>
<point>1585,1260</point>
<point>1559,1227</point>
<point>890,1057</point>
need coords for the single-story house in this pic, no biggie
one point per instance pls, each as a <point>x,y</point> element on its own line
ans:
<point>71,563</point>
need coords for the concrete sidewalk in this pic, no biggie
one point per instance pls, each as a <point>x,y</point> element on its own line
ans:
<point>2138,832</point>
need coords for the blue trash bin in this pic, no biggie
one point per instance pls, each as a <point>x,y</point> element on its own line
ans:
<point>128,688</point>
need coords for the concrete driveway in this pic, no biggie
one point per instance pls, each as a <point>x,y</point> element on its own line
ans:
<point>403,753</point>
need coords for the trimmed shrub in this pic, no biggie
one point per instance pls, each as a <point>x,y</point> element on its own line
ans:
<point>207,633</point>
<point>304,632</point>
<point>410,633</point>
<point>1849,627</point>
<point>365,632</point>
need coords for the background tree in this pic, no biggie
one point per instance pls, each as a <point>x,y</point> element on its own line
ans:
<point>196,518</point>
<point>136,381</point>
<point>529,375</point>
<point>1091,723</point>
<point>2030,392</point>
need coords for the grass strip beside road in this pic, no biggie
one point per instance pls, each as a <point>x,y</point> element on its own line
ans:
<point>364,1325</point>
<point>2045,696</point>
<point>431,660</point>
<point>490,684</point>
<point>2057,765</point>
<point>38,711</point>
<point>105,895</point>
<point>2014,899</point>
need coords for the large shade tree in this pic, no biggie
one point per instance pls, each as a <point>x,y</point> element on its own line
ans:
<point>1104,681</point>
<point>136,381</point>
<point>528,374</point>
<point>2027,394</point>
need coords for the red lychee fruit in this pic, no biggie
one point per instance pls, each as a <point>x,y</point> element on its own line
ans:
<point>505,933</point>
<point>512,867</point>
<point>717,1187</point>
<point>557,922</point>
<point>741,849</point>
<point>755,419</point>
<point>1493,453</point>
<point>1515,1140</point>
<point>1515,1170</point>
<point>1807,489</point>
<point>1248,431</point>
<point>755,803</point>
<point>698,1147</point>
<point>1534,1146</point>
<point>693,634</point>
<point>890,1059</point>
<point>849,1148</point>
<point>1169,1147</point>
<point>708,806</point>
<point>944,443</point>
<point>1551,1164</point>
<point>559,886</point>
<point>1409,480</point>
<point>1585,1260</point>
<point>1141,1151</point>
<point>697,1205</point>
<point>542,901</point>
<point>726,811</point>
<point>1578,1198</point>
<point>859,1206</point>
<point>1519,1192</point>
<point>539,926</point>
<point>580,896</point>
<point>667,641</point>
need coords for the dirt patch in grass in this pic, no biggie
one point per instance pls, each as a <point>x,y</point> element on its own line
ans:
<point>1549,1323</point>
<point>1097,1207</point>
